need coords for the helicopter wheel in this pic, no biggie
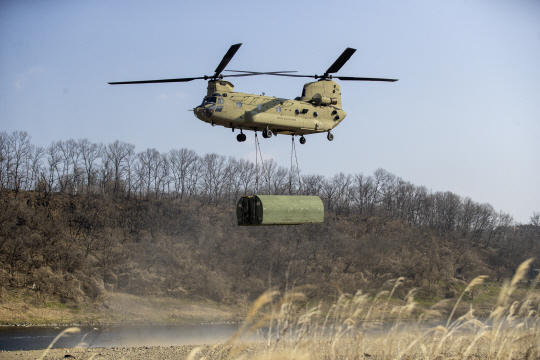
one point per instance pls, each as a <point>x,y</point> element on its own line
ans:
<point>302,140</point>
<point>330,136</point>
<point>267,134</point>
<point>241,137</point>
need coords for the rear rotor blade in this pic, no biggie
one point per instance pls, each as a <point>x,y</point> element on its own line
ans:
<point>240,75</point>
<point>332,77</point>
<point>294,75</point>
<point>261,73</point>
<point>225,61</point>
<point>341,60</point>
<point>363,78</point>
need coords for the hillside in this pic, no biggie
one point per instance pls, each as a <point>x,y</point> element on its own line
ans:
<point>74,230</point>
<point>76,250</point>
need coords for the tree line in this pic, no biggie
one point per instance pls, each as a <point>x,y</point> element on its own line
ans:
<point>83,167</point>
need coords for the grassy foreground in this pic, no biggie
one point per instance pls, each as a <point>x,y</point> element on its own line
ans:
<point>352,329</point>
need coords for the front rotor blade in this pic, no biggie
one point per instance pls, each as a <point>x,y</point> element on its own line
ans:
<point>228,56</point>
<point>262,73</point>
<point>341,60</point>
<point>239,75</point>
<point>362,78</point>
<point>156,81</point>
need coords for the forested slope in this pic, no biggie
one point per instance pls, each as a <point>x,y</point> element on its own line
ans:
<point>79,219</point>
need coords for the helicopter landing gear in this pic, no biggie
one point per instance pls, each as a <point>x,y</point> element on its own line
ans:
<point>330,136</point>
<point>266,134</point>
<point>302,140</point>
<point>241,137</point>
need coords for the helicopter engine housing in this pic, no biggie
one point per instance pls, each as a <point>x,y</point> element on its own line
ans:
<point>328,91</point>
<point>318,100</point>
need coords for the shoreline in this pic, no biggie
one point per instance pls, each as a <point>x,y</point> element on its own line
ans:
<point>374,348</point>
<point>126,323</point>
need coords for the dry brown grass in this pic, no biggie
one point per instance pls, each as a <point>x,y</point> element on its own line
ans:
<point>290,330</point>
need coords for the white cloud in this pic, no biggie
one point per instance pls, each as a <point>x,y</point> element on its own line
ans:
<point>25,76</point>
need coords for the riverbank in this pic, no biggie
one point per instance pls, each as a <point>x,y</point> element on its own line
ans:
<point>374,348</point>
<point>127,309</point>
<point>23,308</point>
<point>19,309</point>
<point>251,351</point>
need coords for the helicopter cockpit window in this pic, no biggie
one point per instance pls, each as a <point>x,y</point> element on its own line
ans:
<point>211,100</point>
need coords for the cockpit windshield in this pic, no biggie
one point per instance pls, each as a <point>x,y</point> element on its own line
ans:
<point>208,100</point>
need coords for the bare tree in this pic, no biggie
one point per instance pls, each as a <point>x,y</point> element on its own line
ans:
<point>361,189</point>
<point>181,163</point>
<point>129,167</point>
<point>280,181</point>
<point>54,160</point>
<point>4,160</point>
<point>36,167</point>
<point>146,169</point>
<point>195,173</point>
<point>215,176</point>
<point>65,169</point>
<point>89,152</point>
<point>312,184</point>
<point>447,207</point>
<point>19,152</point>
<point>246,175</point>
<point>343,193</point>
<point>161,179</point>
<point>535,222</point>
<point>117,153</point>
<point>329,192</point>
<point>481,222</point>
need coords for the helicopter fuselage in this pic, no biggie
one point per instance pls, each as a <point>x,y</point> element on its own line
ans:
<point>318,110</point>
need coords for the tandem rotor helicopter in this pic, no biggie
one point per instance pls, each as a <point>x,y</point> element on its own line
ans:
<point>318,110</point>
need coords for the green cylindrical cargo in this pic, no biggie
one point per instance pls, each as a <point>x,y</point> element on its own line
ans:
<point>279,210</point>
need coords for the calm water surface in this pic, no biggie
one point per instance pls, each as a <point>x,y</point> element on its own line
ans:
<point>34,338</point>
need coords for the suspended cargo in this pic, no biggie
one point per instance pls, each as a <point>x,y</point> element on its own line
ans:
<point>279,210</point>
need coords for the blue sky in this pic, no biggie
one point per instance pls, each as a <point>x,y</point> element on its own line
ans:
<point>464,116</point>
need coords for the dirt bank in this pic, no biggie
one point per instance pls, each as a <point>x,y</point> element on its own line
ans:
<point>117,308</point>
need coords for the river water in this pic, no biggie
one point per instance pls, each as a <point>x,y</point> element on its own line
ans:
<point>14,338</point>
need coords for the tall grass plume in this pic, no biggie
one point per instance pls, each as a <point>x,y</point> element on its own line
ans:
<point>360,326</point>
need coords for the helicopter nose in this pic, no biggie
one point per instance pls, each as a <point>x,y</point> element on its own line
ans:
<point>202,112</point>
<point>207,111</point>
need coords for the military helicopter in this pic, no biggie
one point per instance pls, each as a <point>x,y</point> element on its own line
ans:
<point>318,110</point>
